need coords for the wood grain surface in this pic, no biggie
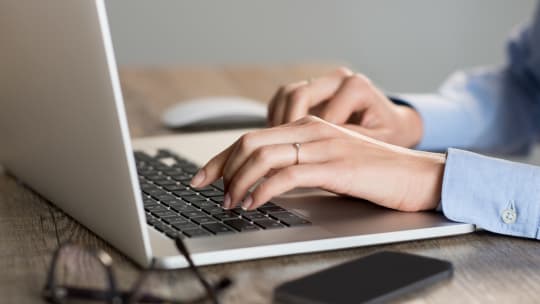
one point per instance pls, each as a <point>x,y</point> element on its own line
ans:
<point>488,268</point>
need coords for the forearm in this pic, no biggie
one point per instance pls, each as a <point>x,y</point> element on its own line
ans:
<point>482,110</point>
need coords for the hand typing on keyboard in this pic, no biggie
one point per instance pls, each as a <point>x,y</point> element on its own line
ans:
<point>176,209</point>
<point>311,152</point>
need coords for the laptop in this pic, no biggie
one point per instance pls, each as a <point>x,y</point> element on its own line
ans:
<point>64,133</point>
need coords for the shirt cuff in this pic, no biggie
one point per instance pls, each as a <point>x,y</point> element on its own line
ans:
<point>494,194</point>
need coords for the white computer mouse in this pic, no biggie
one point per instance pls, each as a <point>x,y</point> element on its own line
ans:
<point>214,111</point>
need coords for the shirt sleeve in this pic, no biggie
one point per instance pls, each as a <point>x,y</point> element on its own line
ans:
<point>494,194</point>
<point>487,109</point>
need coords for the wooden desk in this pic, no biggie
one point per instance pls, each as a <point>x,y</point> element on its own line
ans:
<point>488,267</point>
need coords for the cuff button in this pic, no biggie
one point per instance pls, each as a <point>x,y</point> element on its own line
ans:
<point>509,216</point>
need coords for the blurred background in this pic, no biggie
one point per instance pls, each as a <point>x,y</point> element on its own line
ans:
<point>405,46</point>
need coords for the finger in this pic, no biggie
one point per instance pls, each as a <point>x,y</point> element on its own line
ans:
<point>278,109</point>
<point>273,158</point>
<point>300,132</point>
<point>280,93</point>
<point>352,96</point>
<point>304,175</point>
<point>212,170</point>
<point>313,93</point>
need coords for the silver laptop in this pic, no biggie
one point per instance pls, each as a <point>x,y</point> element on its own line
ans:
<point>64,133</point>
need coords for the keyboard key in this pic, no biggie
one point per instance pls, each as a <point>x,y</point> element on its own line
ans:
<point>166,198</point>
<point>182,178</point>
<point>190,168</point>
<point>218,228</point>
<point>155,192</point>
<point>184,192</point>
<point>254,215</point>
<point>238,210</point>
<point>193,214</point>
<point>149,201</point>
<point>178,202</point>
<point>290,219</point>
<point>175,220</point>
<point>185,226</point>
<point>218,199</point>
<point>162,214</point>
<point>155,208</point>
<point>172,171</point>
<point>151,205</point>
<point>241,225</point>
<point>204,204</point>
<point>268,224</point>
<point>205,189</point>
<point>226,215</point>
<point>160,226</point>
<point>213,210</point>
<point>199,232</point>
<point>174,187</point>
<point>268,204</point>
<point>183,208</point>
<point>272,209</point>
<point>147,172</point>
<point>146,186</point>
<point>167,182</point>
<point>204,220</point>
<point>175,202</point>
<point>157,177</point>
<point>212,193</point>
<point>193,198</point>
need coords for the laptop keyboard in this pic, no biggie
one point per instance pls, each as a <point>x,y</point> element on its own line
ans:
<point>176,209</point>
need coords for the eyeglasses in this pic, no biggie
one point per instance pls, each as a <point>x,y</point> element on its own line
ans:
<point>53,292</point>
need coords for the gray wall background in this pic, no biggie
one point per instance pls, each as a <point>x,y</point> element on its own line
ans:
<point>403,45</point>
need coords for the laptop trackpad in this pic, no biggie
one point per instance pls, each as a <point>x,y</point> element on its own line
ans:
<point>351,216</point>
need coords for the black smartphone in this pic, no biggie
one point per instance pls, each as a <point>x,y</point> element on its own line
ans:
<point>375,278</point>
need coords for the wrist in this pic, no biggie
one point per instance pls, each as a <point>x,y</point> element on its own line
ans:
<point>424,175</point>
<point>412,123</point>
<point>432,172</point>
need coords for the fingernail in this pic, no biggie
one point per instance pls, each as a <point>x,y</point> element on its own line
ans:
<point>227,201</point>
<point>198,178</point>
<point>247,202</point>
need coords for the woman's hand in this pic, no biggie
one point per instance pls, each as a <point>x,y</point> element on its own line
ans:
<point>330,157</point>
<point>350,100</point>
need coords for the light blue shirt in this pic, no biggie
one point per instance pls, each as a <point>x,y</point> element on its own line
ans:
<point>489,110</point>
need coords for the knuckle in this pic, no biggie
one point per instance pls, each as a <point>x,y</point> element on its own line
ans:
<point>312,119</point>
<point>343,71</point>
<point>318,125</point>
<point>359,80</point>
<point>262,155</point>
<point>247,141</point>
<point>288,88</point>
<point>307,119</point>
<point>290,174</point>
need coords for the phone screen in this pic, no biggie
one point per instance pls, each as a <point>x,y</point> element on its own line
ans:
<point>378,277</point>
